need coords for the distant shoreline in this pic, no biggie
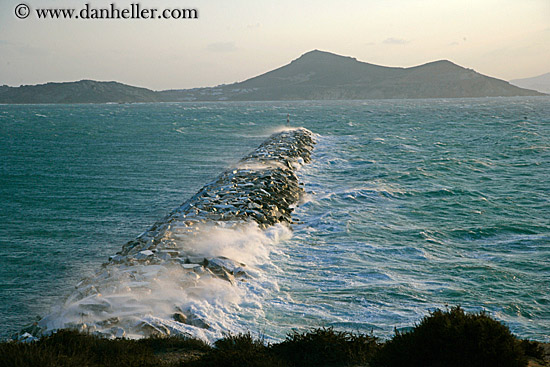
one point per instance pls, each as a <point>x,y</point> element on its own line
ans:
<point>272,101</point>
<point>316,75</point>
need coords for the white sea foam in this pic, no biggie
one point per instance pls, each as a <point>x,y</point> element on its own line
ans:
<point>199,271</point>
<point>173,296</point>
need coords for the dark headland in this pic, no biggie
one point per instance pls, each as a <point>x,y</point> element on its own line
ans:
<point>316,75</point>
<point>83,91</point>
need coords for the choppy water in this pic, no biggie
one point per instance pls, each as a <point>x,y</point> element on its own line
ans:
<point>412,205</point>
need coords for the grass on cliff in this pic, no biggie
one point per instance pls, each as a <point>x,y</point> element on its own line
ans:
<point>444,338</point>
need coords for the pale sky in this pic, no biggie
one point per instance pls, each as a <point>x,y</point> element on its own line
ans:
<point>233,40</point>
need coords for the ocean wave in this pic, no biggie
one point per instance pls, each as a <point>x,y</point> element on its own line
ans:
<point>197,272</point>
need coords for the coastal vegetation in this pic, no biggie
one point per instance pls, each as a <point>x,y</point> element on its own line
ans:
<point>443,338</point>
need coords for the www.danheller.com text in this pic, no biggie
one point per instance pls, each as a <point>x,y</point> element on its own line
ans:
<point>88,11</point>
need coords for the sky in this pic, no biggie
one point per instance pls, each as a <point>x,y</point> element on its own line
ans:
<point>233,40</point>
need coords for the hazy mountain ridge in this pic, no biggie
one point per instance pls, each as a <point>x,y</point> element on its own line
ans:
<point>539,83</point>
<point>316,75</point>
<point>319,75</point>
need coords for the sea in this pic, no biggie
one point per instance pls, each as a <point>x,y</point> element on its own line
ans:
<point>409,206</point>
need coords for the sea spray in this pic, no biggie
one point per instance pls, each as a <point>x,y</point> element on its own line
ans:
<point>197,271</point>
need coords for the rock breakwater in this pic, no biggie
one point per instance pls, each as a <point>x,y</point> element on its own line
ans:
<point>186,270</point>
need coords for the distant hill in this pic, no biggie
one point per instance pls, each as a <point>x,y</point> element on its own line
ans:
<point>324,76</point>
<point>84,91</point>
<point>539,83</point>
<point>316,75</point>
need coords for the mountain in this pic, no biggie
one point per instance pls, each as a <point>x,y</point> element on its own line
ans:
<point>316,75</point>
<point>84,91</point>
<point>539,83</point>
<point>323,75</point>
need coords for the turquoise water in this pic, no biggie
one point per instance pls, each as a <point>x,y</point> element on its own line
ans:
<point>411,205</point>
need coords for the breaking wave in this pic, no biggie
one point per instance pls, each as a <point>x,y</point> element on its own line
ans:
<point>203,269</point>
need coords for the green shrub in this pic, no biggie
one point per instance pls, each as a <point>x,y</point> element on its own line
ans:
<point>454,338</point>
<point>532,349</point>
<point>326,347</point>
<point>160,344</point>
<point>240,350</point>
<point>71,348</point>
<point>444,338</point>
